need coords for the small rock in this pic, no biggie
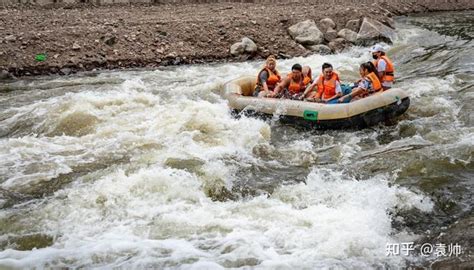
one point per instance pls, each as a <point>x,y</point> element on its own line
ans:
<point>327,23</point>
<point>76,46</point>
<point>250,46</point>
<point>109,39</point>
<point>65,71</point>
<point>321,49</point>
<point>330,34</point>
<point>253,22</point>
<point>283,55</point>
<point>348,35</point>
<point>353,25</point>
<point>4,75</point>
<point>10,38</point>
<point>246,45</point>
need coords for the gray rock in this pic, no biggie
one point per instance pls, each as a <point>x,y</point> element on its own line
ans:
<point>373,31</point>
<point>389,22</point>
<point>249,45</point>
<point>339,44</point>
<point>321,49</point>
<point>5,75</point>
<point>326,24</point>
<point>246,45</point>
<point>109,39</point>
<point>76,46</point>
<point>306,33</point>
<point>353,25</point>
<point>10,38</point>
<point>65,71</point>
<point>330,34</point>
<point>348,35</point>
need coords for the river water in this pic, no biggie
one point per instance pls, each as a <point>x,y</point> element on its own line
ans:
<point>149,168</point>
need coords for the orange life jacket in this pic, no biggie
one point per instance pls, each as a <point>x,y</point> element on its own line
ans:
<point>307,80</point>
<point>272,80</point>
<point>296,87</point>
<point>327,88</point>
<point>389,73</point>
<point>376,85</point>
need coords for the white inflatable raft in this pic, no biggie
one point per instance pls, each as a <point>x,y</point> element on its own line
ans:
<point>358,114</point>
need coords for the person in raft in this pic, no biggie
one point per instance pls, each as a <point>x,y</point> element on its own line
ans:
<point>267,78</point>
<point>328,87</point>
<point>384,67</point>
<point>368,84</point>
<point>307,76</point>
<point>292,87</point>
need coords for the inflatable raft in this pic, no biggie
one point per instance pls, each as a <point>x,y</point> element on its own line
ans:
<point>362,113</point>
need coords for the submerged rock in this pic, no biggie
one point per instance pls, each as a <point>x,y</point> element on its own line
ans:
<point>306,33</point>
<point>339,44</point>
<point>321,49</point>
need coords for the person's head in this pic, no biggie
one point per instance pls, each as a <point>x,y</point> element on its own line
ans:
<point>327,71</point>
<point>377,51</point>
<point>307,72</point>
<point>271,62</point>
<point>366,68</point>
<point>296,71</point>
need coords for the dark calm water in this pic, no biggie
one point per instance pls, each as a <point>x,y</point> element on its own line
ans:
<point>149,169</point>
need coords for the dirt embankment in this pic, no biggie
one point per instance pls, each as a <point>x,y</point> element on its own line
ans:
<point>111,37</point>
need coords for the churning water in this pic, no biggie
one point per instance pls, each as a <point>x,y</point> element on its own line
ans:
<point>149,169</point>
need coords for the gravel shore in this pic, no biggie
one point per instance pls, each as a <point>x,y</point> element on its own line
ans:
<point>86,37</point>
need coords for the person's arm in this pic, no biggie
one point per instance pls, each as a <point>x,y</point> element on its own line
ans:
<point>338,93</point>
<point>360,89</point>
<point>279,87</point>
<point>263,79</point>
<point>309,89</point>
<point>381,67</point>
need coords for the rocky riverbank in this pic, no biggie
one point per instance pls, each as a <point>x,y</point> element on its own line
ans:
<point>67,39</point>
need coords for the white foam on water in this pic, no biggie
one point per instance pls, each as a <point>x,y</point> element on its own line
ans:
<point>158,217</point>
<point>147,212</point>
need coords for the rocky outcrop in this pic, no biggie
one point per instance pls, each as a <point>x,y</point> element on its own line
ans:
<point>348,35</point>
<point>245,46</point>
<point>306,33</point>
<point>372,31</point>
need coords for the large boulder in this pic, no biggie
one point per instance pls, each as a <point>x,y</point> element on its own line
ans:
<point>353,25</point>
<point>348,35</point>
<point>246,45</point>
<point>339,44</point>
<point>330,34</point>
<point>321,49</point>
<point>372,31</point>
<point>306,33</point>
<point>327,23</point>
